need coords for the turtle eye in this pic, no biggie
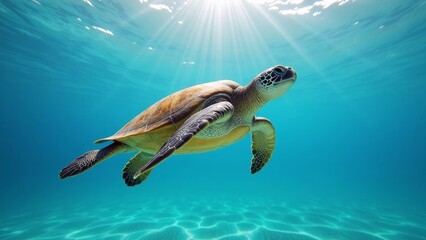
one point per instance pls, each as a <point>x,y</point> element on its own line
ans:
<point>280,70</point>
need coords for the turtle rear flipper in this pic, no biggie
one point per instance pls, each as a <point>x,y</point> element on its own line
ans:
<point>138,161</point>
<point>90,158</point>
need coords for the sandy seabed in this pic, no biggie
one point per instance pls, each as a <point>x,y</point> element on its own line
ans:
<point>219,218</point>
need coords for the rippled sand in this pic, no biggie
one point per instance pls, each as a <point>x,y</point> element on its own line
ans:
<point>215,219</point>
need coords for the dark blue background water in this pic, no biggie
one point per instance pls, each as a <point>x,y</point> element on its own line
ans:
<point>351,131</point>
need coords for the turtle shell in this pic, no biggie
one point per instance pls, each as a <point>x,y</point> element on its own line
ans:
<point>164,117</point>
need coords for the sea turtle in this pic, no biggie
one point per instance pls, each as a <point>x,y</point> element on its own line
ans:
<point>197,119</point>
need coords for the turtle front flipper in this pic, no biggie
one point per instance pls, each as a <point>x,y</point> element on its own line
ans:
<point>263,138</point>
<point>218,112</point>
<point>90,158</point>
<point>138,161</point>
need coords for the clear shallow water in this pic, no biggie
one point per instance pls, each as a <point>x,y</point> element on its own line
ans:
<point>351,135</point>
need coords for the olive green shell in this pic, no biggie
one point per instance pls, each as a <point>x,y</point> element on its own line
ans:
<point>172,109</point>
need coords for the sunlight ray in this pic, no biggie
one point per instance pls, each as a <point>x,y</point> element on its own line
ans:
<point>300,51</point>
<point>254,35</point>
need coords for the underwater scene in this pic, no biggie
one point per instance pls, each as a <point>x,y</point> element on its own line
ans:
<point>320,136</point>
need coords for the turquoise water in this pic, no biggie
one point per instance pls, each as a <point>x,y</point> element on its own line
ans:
<point>350,149</point>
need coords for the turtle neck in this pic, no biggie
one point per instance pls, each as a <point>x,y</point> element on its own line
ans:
<point>247,101</point>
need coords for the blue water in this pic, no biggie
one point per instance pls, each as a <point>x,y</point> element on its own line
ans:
<point>350,157</point>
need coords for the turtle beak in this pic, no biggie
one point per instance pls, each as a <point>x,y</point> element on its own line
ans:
<point>290,74</point>
<point>294,74</point>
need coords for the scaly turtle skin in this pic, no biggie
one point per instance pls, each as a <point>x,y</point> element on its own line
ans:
<point>197,119</point>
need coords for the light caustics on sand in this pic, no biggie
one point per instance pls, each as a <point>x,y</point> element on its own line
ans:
<point>239,218</point>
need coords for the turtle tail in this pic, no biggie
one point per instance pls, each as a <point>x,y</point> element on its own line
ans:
<point>90,158</point>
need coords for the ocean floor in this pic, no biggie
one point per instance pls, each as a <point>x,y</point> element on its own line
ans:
<point>219,218</point>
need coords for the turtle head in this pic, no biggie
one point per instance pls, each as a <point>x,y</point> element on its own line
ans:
<point>275,81</point>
